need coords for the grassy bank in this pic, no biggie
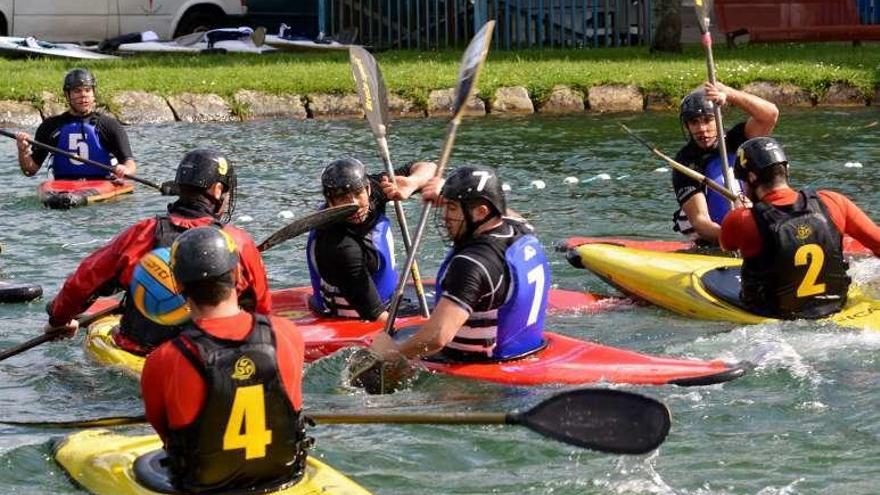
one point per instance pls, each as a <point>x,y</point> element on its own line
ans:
<point>414,74</point>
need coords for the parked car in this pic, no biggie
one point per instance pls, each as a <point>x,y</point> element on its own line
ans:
<point>95,20</point>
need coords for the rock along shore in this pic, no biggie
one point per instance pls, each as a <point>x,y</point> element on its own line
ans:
<point>138,107</point>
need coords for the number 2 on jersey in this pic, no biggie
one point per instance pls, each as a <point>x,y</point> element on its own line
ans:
<point>246,428</point>
<point>812,256</point>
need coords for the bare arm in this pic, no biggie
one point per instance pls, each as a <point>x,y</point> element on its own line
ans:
<point>762,114</point>
<point>438,331</point>
<point>697,212</point>
<point>420,174</point>
<point>27,164</point>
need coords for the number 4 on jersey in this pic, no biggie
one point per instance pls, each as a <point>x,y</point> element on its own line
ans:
<point>246,428</point>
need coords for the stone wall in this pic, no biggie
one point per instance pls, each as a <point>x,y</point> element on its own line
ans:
<point>135,107</point>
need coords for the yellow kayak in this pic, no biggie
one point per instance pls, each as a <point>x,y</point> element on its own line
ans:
<point>696,285</point>
<point>100,346</point>
<point>103,463</point>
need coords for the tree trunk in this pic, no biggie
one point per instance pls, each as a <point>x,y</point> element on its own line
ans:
<point>667,36</point>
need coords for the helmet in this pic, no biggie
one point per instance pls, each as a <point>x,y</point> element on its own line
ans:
<point>79,77</point>
<point>471,183</point>
<point>343,176</point>
<point>202,253</point>
<point>695,105</point>
<point>203,168</point>
<point>757,154</point>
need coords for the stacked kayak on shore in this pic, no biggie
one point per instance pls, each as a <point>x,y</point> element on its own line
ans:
<point>699,286</point>
<point>564,360</point>
<point>64,194</point>
<point>106,463</point>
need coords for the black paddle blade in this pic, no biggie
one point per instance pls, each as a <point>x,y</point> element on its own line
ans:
<point>371,88</point>
<point>703,9</point>
<point>471,62</point>
<point>600,419</point>
<point>311,221</point>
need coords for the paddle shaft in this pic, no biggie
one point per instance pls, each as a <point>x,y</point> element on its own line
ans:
<point>706,40</point>
<point>472,62</point>
<point>687,171</point>
<point>55,333</point>
<point>420,229</point>
<point>59,151</point>
<point>404,230</point>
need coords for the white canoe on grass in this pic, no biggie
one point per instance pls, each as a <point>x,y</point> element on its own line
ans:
<point>18,47</point>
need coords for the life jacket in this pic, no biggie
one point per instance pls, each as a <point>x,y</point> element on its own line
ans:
<point>134,326</point>
<point>515,327</point>
<point>801,271</point>
<point>80,136</point>
<point>327,298</point>
<point>717,204</point>
<point>247,434</point>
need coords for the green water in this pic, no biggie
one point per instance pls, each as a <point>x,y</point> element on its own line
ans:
<point>806,420</point>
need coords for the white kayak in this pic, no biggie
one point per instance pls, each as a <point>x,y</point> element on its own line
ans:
<point>304,44</point>
<point>227,46</point>
<point>18,47</point>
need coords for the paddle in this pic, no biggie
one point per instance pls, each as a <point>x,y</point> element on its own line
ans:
<point>471,63</point>
<point>374,100</point>
<point>59,151</point>
<point>52,334</point>
<point>599,419</point>
<point>302,225</point>
<point>703,10</point>
<point>293,229</point>
<point>693,174</point>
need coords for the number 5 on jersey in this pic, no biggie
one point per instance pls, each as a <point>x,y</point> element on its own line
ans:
<point>246,428</point>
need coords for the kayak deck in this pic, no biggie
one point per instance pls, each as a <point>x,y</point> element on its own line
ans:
<point>850,245</point>
<point>64,194</point>
<point>102,463</point>
<point>570,361</point>
<point>674,281</point>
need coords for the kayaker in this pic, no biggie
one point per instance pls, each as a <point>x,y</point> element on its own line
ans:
<point>81,130</point>
<point>351,264</point>
<point>701,209</point>
<point>207,186</point>
<point>791,241</point>
<point>491,288</point>
<point>225,395</point>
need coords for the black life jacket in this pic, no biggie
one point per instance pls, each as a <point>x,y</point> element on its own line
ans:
<point>801,272</point>
<point>247,434</point>
<point>136,327</point>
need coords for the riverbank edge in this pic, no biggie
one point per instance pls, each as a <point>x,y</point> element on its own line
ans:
<point>140,107</point>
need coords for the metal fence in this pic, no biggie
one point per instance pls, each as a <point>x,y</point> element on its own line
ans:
<point>428,24</point>
<point>869,11</point>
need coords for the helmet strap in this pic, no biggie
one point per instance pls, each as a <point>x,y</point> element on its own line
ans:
<point>472,225</point>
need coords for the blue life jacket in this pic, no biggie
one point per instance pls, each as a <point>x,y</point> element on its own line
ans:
<point>718,205</point>
<point>329,299</point>
<point>80,136</point>
<point>517,326</point>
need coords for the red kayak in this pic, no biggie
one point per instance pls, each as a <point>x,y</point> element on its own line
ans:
<point>64,194</point>
<point>566,360</point>
<point>850,245</point>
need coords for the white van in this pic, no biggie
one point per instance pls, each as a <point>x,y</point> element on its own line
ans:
<point>96,20</point>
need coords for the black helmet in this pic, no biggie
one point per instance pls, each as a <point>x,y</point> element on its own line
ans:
<point>78,77</point>
<point>757,154</point>
<point>695,105</point>
<point>203,168</point>
<point>343,176</point>
<point>202,253</point>
<point>467,184</point>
